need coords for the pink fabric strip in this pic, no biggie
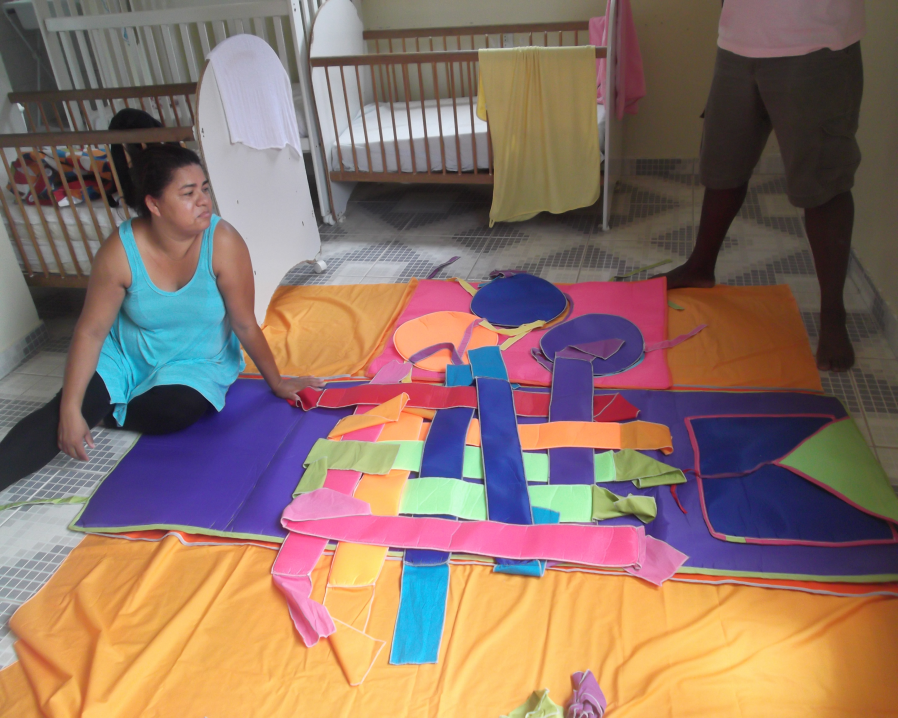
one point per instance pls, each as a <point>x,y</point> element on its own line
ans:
<point>328,514</point>
<point>661,562</point>
<point>392,373</point>
<point>671,343</point>
<point>299,554</point>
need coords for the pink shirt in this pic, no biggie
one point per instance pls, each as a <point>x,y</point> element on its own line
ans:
<point>781,28</point>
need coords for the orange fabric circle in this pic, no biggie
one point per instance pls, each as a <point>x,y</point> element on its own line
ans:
<point>437,328</point>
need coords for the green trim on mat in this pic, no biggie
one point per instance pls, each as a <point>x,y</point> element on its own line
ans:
<point>57,500</point>
<point>872,578</point>
<point>195,530</point>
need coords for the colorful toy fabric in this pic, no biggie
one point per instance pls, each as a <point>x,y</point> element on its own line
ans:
<point>42,175</point>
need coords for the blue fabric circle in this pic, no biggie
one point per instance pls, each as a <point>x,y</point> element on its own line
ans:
<point>592,328</point>
<point>518,299</point>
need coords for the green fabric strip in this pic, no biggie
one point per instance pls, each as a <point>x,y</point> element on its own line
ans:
<point>365,456</point>
<point>608,505</point>
<point>674,305</point>
<point>409,456</point>
<point>430,496</point>
<point>572,502</point>
<point>838,458</point>
<point>473,466</point>
<point>313,477</point>
<point>536,467</point>
<point>605,469</point>
<point>643,471</point>
<point>34,502</point>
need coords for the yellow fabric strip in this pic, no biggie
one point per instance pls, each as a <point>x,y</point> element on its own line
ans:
<point>386,413</point>
<point>641,435</point>
<point>541,106</point>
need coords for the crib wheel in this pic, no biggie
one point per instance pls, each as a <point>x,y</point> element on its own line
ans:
<point>319,266</point>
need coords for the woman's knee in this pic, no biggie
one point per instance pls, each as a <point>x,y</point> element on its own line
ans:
<point>166,409</point>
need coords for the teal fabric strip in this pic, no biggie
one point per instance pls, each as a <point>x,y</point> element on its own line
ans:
<point>487,362</point>
<point>365,456</point>
<point>421,615</point>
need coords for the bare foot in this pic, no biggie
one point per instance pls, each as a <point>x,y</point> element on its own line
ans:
<point>834,352</point>
<point>686,276</point>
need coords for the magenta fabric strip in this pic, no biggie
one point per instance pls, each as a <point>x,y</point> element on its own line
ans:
<point>671,343</point>
<point>327,514</point>
<point>392,373</point>
<point>661,561</point>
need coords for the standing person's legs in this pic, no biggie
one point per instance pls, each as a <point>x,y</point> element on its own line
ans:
<point>814,102</point>
<point>735,132</point>
<point>32,443</point>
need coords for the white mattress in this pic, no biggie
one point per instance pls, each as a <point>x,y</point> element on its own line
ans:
<point>68,217</point>
<point>469,137</point>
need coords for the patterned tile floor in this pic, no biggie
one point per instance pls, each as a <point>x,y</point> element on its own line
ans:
<point>392,233</point>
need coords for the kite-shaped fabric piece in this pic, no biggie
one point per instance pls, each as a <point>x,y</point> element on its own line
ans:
<point>791,480</point>
<point>386,413</point>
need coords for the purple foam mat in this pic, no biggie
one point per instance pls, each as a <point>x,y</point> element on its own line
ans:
<point>232,472</point>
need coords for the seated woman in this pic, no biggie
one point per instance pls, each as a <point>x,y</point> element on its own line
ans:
<point>169,302</point>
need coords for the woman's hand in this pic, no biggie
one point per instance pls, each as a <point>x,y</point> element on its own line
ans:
<point>73,434</point>
<point>288,387</point>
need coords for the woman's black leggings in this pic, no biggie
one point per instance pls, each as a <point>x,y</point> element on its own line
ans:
<point>32,443</point>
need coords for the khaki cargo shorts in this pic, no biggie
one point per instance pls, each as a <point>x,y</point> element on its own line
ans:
<point>811,101</point>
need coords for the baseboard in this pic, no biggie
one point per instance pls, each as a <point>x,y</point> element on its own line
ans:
<point>24,349</point>
<point>882,312</point>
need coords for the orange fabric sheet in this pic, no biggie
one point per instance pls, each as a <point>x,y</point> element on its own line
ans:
<point>755,338</point>
<point>161,629</point>
<point>328,331</point>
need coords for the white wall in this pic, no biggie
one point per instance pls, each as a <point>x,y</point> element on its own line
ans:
<point>18,316</point>
<point>876,188</point>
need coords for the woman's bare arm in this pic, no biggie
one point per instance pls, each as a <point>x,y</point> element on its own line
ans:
<point>234,271</point>
<point>110,276</point>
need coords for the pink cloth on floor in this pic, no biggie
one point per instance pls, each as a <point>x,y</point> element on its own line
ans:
<point>660,562</point>
<point>629,80</point>
<point>329,514</point>
<point>643,303</point>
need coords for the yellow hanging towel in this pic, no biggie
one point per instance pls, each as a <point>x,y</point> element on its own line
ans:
<point>541,104</point>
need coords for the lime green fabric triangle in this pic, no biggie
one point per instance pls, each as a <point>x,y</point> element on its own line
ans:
<point>538,705</point>
<point>838,458</point>
<point>313,477</point>
<point>644,471</point>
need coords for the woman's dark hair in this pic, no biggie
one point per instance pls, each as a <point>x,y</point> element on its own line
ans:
<point>152,170</point>
<point>128,119</point>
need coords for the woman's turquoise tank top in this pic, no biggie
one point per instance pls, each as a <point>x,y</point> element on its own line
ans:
<point>164,338</point>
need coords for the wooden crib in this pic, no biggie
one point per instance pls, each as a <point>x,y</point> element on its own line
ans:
<point>64,155</point>
<point>400,105</point>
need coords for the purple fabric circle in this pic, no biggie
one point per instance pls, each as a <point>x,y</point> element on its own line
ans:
<point>595,327</point>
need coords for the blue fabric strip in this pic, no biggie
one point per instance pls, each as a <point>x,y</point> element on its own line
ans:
<point>444,448</point>
<point>422,613</point>
<point>507,499</point>
<point>572,397</point>
<point>487,362</point>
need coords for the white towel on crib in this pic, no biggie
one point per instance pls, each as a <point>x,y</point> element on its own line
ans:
<point>256,94</point>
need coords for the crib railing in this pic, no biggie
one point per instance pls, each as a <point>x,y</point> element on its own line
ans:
<point>68,261</point>
<point>403,74</point>
<point>72,110</point>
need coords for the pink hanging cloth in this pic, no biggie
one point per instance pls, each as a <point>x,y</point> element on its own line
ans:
<point>629,78</point>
